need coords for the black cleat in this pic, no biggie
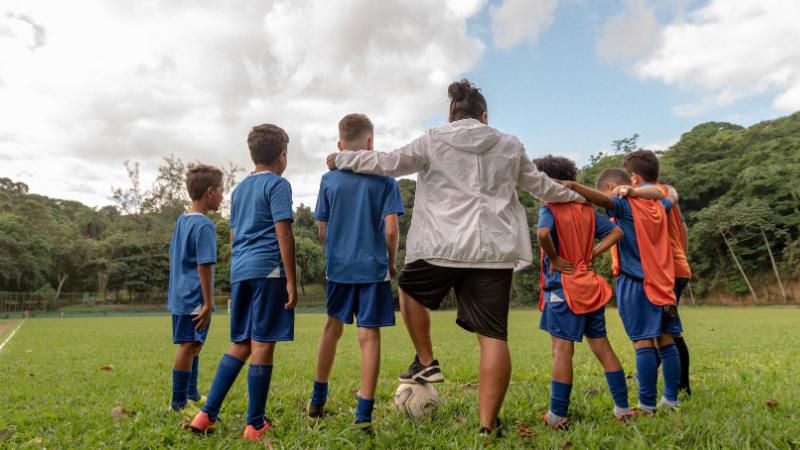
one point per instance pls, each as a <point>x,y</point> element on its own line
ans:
<point>316,411</point>
<point>417,373</point>
<point>497,432</point>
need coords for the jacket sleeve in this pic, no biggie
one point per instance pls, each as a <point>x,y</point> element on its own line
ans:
<point>541,186</point>
<point>403,161</point>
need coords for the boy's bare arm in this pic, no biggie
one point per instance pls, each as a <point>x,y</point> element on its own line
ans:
<point>206,274</point>
<point>323,233</point>
<point>392,242</point>
<point>556,262</point>
<point>283,229</point>
<point>609,240</point>
<point>645,192</point>
<point>230,246</point>
<point>591,195</point>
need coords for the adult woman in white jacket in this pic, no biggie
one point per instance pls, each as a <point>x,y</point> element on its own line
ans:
<point>468,233</point>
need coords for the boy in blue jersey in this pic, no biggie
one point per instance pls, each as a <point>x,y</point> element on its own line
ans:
<point>358,228</point>
<point>573,297</point>
<point>192,255</point>
<point>263,281</point>
<point>645,281</point>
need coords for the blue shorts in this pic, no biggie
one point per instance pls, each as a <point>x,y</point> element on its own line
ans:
<point>371,303</point>
<point>641,318</point>
<point>680,285</point>
<point>183,330</point>
<point>561,322</point>
<point>258,311</point>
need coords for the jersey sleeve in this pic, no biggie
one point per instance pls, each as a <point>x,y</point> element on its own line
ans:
<point>323,210</point>
<point>602,226</point>
<point>280,201</point>
<point>206,245</point>
<point>392,201</point>
<point>618,210</point>
<point>546,218</point>
<point>667,204</point>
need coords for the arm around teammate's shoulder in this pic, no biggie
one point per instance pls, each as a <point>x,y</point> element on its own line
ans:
<point>405,160</point>
<point>540,185</point>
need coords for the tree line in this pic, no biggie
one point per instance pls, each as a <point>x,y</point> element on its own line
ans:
<point>737,187</point>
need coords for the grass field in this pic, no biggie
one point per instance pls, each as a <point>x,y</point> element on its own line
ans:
<point>54,395</point>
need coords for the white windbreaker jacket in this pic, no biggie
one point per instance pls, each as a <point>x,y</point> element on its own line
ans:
<point>466,210</point>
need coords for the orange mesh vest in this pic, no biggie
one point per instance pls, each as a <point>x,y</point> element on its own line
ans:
<point>677,239</point>
<point>655,250</point>
<point>584,290</point>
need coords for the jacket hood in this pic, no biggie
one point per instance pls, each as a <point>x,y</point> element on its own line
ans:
<point>467,135</point>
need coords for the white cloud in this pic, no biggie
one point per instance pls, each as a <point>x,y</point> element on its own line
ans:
<point>730,50</point>
<point>85,89</point>
<point>631,33</point>
<point>517,21</point>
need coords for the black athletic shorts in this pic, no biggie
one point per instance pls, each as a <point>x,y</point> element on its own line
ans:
<point>483,295</point>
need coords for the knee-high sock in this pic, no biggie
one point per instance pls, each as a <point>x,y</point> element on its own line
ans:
<point>193,393</point>
<point>320,394</point>
<point>180,379</point>
<point>683,351</point>
<point>647,375</point>
<point>364,410</point>
<point>258,379</point>
<point>618,388</point>
<point>227,371</point>
<point>559,398</point>
<point>671,363</point>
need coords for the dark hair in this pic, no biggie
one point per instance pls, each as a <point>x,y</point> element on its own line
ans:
<point>266,143</point>
<point>200,177</point>
<point>466,101</point>
<point>643,163</point>
<point>557,167</point>
<point>355,126</point>
<point>612,176</point>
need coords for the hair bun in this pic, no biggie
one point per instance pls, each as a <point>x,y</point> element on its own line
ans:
<point>459,90</point>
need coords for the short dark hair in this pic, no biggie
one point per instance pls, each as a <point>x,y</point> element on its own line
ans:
<point>200,177</point>
<point>266,142</point>
<point>612,176</point>
<point>643,163</point>
<point>557,167</point>
<point>466,101</point>
<point>355,126</point>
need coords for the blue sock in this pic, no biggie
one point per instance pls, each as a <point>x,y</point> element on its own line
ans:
<point>320,394</point>
<point>559,398</point>
<point>647,374</point>
<point>364,410</point>
<point>180,380</point>
<point>194,394</point>
<point>258,378</point>
<point>671,361</point>
<point>618,388</point>
<point>227,371</point>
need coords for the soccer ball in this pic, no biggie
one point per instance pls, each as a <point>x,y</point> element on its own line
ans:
<point>416,400</point>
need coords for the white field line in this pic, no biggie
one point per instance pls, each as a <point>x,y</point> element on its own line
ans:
<point>11,335</point>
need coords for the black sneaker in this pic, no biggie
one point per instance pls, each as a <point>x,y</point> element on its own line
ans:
<point>417,373</point>
<point>497,432</point>
<point>316,411</point>
<point>366,428</point>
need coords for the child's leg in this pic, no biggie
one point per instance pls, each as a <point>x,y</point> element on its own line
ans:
<point>181,373</point>
<point>671,362</point>
<point>194,393</point>
<point>258,380</point>
<point>325,357</point>
<point>228,369</point>
<point>561,383</point>
<point>647,373</point>
<point>615,376</point>
<point>370,341</point>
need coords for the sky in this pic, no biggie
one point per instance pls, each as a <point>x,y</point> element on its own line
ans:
<point>90,84</point>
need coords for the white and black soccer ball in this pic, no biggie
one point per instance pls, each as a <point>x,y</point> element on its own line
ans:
<point>416,400</point>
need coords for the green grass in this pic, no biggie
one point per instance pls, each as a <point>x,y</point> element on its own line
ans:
<point>54,395</point>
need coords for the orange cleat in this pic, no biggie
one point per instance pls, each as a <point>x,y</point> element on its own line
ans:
<point>203,424</point>
<point>252,434</point>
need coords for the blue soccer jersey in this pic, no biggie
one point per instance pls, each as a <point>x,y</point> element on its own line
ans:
<point>602,226</point>
<point>354,206</point>
<point>194,242</point>
<point>630,261</point>
<point>257,203</point>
